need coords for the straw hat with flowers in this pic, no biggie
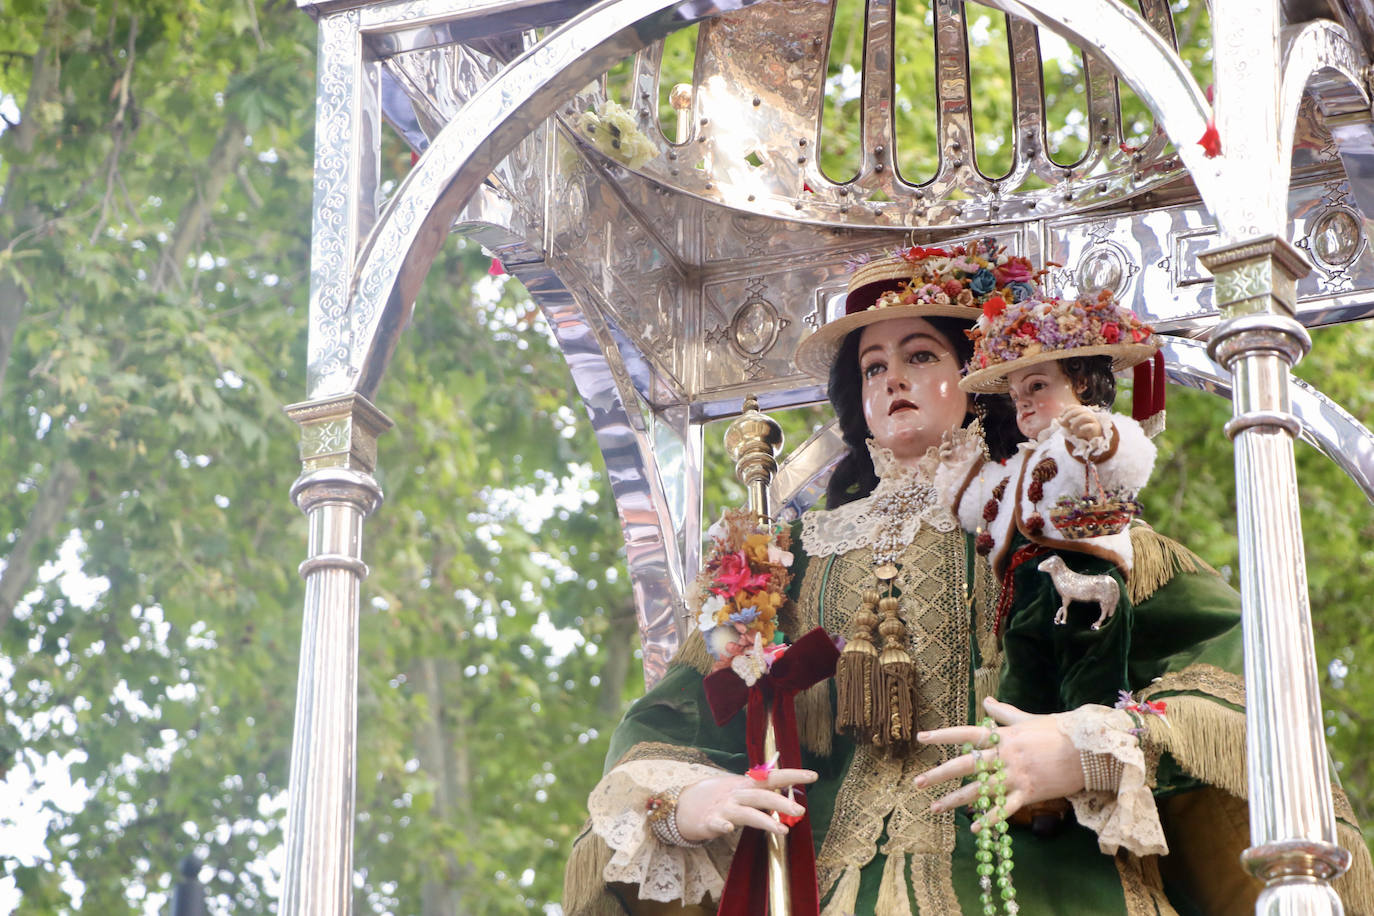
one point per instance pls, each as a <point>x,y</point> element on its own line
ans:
<point>919,282</point>
<point>1039,329</point>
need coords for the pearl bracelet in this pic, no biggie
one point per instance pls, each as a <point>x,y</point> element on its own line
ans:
<point>1101,772</point>
<point>661,812</point>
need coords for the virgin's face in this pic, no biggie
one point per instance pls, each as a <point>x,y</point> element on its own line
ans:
<point>911,393</point>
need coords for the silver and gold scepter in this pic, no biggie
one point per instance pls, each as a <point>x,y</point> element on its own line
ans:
<point>753,440</point>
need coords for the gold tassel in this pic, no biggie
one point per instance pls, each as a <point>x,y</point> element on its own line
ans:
<point>584,888</point>
<point>846,896</point>
<point>856,674</point>
<point>1157,559</point>
<point>1356,886</point>
<point>816,719</point>
<point>892,895</point>
<point>896,711</point>
<point>693,654</point>
<point>986,680</point>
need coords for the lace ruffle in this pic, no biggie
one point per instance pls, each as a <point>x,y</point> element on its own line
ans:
<point>857,525</point>
<point>1129,817</point>
<point>662,872</point>
<point>1089,449</point>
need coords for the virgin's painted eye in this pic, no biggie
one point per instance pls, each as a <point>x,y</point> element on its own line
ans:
<point>872,369</point>
<point>924,356</point>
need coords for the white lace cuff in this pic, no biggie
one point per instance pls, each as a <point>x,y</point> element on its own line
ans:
<point>661,871</point>
<point>1097,446</point>
<point>1128,817</point>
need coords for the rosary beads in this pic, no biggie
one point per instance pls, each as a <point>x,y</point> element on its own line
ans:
<point>994,842</point>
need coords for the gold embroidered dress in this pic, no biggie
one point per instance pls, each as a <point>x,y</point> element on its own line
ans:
<point>880,850</point>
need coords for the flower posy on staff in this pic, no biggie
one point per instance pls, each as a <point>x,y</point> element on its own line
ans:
<point>741,588</point>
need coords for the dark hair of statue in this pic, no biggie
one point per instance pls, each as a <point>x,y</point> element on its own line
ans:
<point>1092,380</point>
<point>854,477</point>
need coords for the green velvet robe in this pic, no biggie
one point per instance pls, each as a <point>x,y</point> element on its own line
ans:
<point>1178,641</point>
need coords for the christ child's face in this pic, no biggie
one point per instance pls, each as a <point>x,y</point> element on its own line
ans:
<point>1040,393</point>
<point>911,393</point>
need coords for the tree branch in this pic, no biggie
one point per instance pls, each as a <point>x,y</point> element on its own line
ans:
<point>22,565</point>
<point>622,635</point>
<point>190,225</point>
<point>121,128</point>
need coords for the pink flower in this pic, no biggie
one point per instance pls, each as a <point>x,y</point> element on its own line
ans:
<point>734,575</point>
<point>1111,332</point>
<point>1016,270</point>
<point>760,773</point>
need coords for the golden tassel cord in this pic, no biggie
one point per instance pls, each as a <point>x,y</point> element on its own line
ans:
<point>856,674</point>
<point>816,719</point>
<point>895,715</point>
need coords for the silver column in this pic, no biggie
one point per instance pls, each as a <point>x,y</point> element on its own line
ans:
<point>336,491</point>
<point>1292,824</point>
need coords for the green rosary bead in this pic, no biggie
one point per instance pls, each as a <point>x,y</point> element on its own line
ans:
<point>994,843</point>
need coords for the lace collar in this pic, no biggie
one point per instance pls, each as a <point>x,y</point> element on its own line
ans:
<point>886,520</point>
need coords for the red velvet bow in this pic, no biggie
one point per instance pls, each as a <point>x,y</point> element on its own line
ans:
<point>806,663</point>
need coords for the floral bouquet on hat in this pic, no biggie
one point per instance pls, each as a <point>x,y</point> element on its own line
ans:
<point>1041,328</point>
<point>965,275</point>
<point>741,588</point>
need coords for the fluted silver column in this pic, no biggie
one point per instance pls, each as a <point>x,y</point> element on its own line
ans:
<point>1292,823</point>
<point>336,491</point>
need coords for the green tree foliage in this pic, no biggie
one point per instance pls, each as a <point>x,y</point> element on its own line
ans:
<point>154,248</point>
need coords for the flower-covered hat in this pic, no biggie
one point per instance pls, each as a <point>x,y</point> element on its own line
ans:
<point>919,282</point>
<point>1038,329</point>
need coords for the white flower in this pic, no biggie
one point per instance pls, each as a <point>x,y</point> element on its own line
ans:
<point>706,617</point>
<point>717,531</point>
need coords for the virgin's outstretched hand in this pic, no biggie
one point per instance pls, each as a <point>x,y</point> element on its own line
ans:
<point>1041,763</point>
<point>717,806</point>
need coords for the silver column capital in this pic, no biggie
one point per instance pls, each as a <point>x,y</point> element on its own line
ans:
<point>1256,275</point>
<point>336,491</point>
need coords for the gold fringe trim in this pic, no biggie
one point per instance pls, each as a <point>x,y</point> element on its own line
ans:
<point>693,654</point>
<point>1356,886</point>
<point>846,896</point>
<point>659,750</point>
<point>584,888</point>
<point>816,719</point>
<point>1202,678</point>
<point>1206,738</point>
<point>1157,560</point>
<point>892,893</point>
<point>986,680</point>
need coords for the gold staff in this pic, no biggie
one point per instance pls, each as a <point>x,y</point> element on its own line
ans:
<point>753,441</point>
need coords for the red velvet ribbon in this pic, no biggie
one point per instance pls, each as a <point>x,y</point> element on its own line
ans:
<point>807,662</point>
<point>1147,394</point>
